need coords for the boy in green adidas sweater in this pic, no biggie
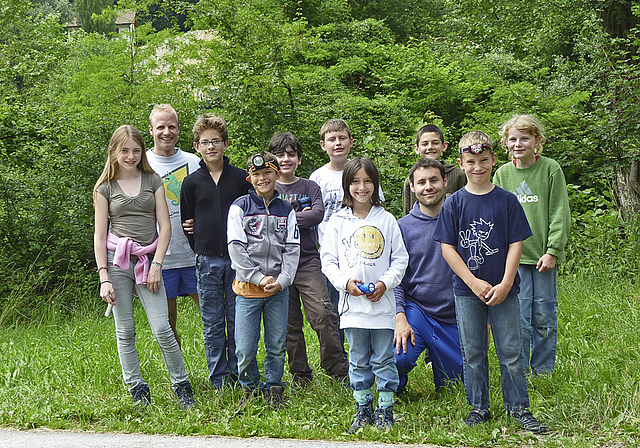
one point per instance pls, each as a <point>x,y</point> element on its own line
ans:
<point>540,186</point>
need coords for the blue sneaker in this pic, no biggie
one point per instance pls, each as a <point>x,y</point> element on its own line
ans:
<point>528,421</point>
<point>384,418</point>
<point>185,395</point>
<point>141,396</point>
<point>364,417</point>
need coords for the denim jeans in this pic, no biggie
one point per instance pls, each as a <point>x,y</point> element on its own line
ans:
<point>471,314</point>
<point>273,311</point>
<point>218,312</point>
<point>371,358</point>
<point>310,286</point>
<point>538,317</point>
<point>442,341</point>
<point>155,306</point>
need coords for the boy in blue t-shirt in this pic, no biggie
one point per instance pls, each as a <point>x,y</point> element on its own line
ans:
<point>481,228</point>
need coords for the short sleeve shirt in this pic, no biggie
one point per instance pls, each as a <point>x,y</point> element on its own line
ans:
<point>133,216</point>
<point>481,228</point>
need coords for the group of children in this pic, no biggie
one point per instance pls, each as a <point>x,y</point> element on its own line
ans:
<point>256,236</point>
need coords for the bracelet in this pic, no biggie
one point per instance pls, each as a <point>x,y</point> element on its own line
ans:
<point>105,281</point>
<point>101,268</point>
<point>157,264</point>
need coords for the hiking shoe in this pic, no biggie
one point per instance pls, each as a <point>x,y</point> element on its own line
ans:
<point>185,394</point>
<point>384,418</point>
<point>276,400</point>
<point>247,397</point>
<point>141,395</point>
<point>302,381</point>
<point>364,416</point>
<point>478,416</point>
<point>528,421</point>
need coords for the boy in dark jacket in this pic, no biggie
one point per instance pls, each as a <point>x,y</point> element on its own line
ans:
<point>205,198</point>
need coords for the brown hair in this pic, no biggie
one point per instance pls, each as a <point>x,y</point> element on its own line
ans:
<point>334,125</point>
<point>210,121</point>
<point>349,174</point>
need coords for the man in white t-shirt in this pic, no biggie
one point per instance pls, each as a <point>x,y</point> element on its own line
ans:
<point>173,165</point>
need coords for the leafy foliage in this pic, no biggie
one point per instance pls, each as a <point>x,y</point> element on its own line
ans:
<point>266,66</point>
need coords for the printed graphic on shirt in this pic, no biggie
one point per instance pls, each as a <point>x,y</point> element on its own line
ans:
<point>474,238</point>
<point>366,243</point>
<point>173,182</point>
<point>281,225</point>
<point>332,203</point>
<point>524,193</point>
<point>254,226</point>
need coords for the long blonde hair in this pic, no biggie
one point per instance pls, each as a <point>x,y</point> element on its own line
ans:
<point>119,138</point>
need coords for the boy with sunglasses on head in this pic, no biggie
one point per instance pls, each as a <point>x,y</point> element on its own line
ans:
<point>480,229</point>
<point>205,199</point>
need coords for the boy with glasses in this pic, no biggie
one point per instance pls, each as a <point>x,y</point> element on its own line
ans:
<point>205,198</point>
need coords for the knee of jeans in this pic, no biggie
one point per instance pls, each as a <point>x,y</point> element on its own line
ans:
<point>126,334</point>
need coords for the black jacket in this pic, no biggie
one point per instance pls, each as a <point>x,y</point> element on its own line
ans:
<point>208,204</point>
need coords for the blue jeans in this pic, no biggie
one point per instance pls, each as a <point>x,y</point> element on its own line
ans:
<point>218,312</point>
<point>442,341</point>
<point>155,306</point>
<point>371,357</point>
<point>538,317</point>
<point>273,311</point>
<point>471,314</point>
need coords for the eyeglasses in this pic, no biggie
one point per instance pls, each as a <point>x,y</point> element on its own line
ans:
<point>476,149</point>
<point>205,143</point>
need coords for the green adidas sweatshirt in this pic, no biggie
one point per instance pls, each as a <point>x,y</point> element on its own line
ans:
<point>542,192</point>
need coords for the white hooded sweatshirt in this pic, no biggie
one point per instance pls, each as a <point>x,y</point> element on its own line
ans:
<point>370,250</point>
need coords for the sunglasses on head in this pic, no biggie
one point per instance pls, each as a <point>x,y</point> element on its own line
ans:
<point>476,149</point>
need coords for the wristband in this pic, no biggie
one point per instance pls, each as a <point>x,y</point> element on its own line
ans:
<point>157,264</point>
<point>101,268</point>
<point>105,281</point>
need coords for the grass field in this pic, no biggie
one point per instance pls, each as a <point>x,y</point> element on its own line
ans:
<point>63,373</point>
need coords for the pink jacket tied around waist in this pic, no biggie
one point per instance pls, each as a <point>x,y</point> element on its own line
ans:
<point>125,247</point>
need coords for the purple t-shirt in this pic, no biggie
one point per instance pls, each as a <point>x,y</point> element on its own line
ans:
<point>481,227</point>
<point>307,221</point>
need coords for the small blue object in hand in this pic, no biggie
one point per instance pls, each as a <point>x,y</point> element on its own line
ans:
<point>367,287</point>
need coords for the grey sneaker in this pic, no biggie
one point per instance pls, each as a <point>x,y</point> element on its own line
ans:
<point>528,421</point>
<point>364,416</point>
<point>141,395</point>
<point>384,418</point>
<point>276,400</point>
<point>185,394</point>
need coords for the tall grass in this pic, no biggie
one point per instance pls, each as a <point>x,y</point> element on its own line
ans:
<point>63,373</point>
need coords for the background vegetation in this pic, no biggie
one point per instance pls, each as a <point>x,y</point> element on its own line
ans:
<point>386,67</point>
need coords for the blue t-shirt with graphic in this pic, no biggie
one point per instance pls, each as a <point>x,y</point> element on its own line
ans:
<point>481,227</point>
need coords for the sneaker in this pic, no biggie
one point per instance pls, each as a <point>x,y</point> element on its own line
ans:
<point>247,397</point>
<point>364,416</point>
<point>384,418</point>
<point>185,394</point>
<point>276,400</point>
<point>302,381</point>
<point>141,395</point>
<point>528,421</point>
<point>478,416</point>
